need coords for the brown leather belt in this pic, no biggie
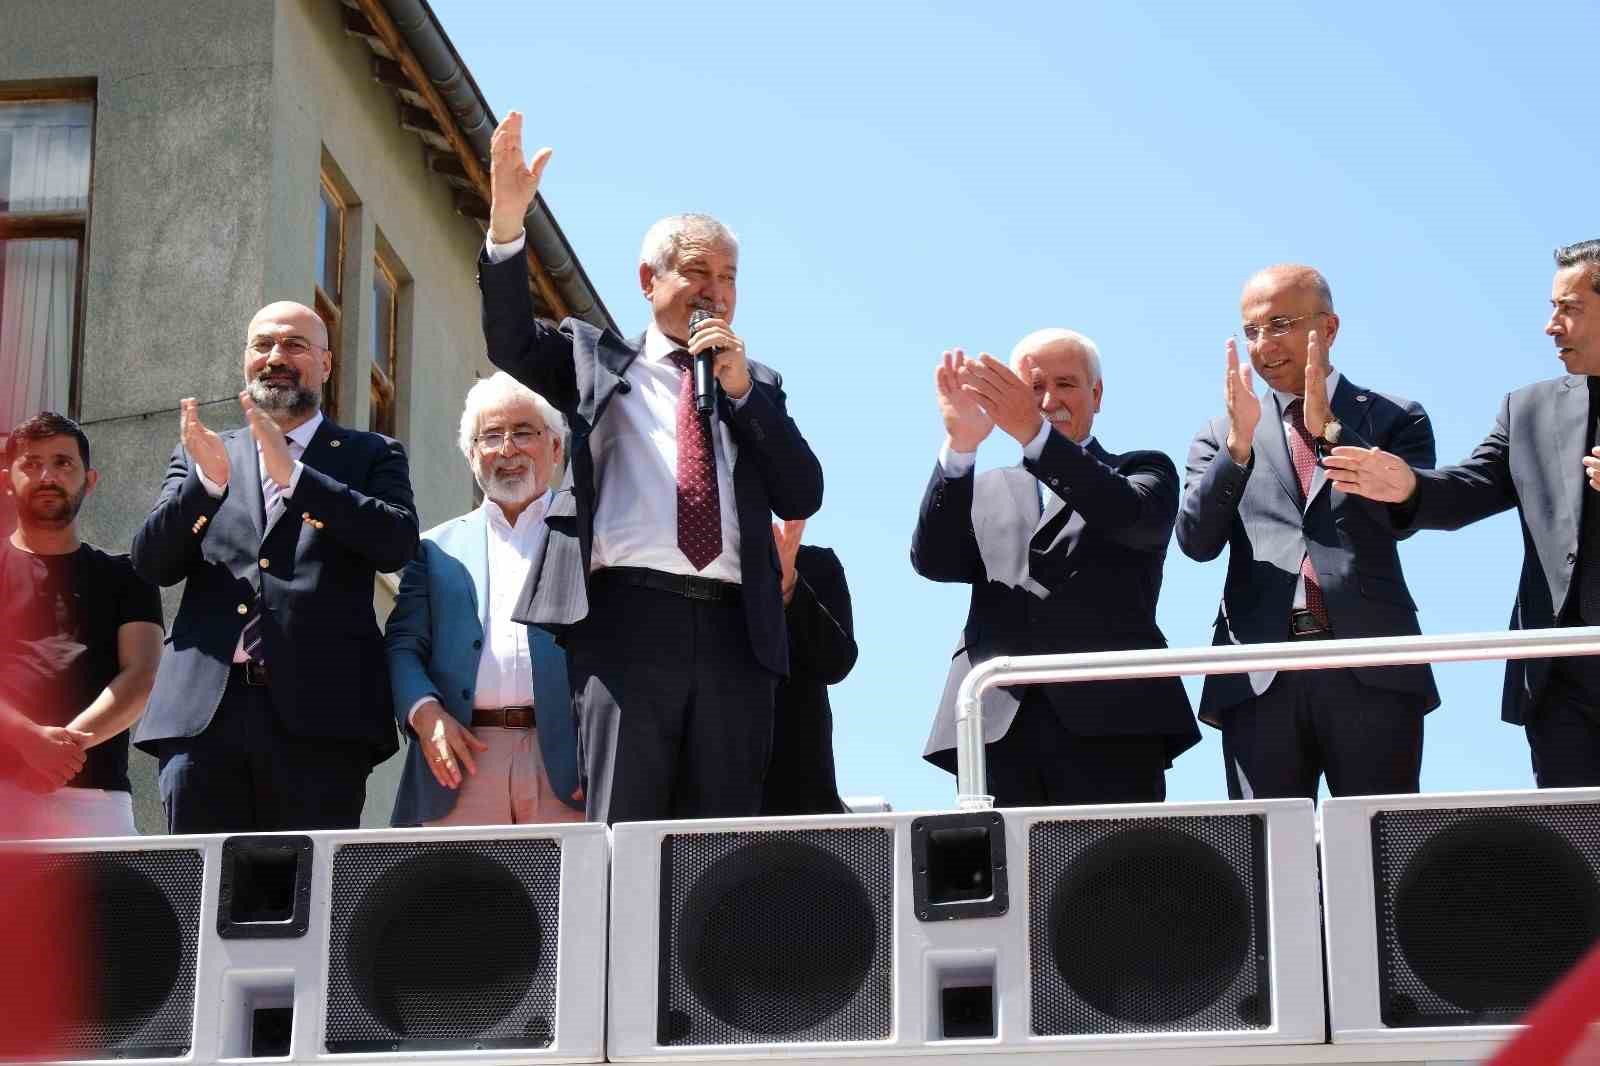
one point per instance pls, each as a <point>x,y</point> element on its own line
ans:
<point>502,717</point>
<point>252,672</point>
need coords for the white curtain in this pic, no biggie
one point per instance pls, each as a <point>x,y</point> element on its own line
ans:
<point>48,171</point>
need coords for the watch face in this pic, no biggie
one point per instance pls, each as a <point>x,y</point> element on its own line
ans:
<point>1330,431</point>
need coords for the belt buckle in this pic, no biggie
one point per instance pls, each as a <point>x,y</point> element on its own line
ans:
<point>1305,624</point>
<point>255,673</point>
<point>702,588</point>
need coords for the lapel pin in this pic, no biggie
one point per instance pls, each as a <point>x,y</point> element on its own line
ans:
<point>334,443</point>
<point>1361,397</point>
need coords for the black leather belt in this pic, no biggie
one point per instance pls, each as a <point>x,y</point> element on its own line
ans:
<point>252,672</point>
<point>503,717</point>
<point>1303,625</point>
<point>693,588</point>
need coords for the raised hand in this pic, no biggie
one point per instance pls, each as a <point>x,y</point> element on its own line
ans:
<point>274,446</point>
<point>205,448</point>
<point>513,182</point>
<point>1316,410</point>
<point>1371,472</point>
<point>966,423</point>
<point>786,536</point>
<point>1008,399</point>
<point>1244,406</point>
<point>447,745</point>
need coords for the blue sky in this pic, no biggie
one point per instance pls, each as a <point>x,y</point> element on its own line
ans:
<point>910,177</point>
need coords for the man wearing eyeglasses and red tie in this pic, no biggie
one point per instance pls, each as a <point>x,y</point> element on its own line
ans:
<point>1305,561</point>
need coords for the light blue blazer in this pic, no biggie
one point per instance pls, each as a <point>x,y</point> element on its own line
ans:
<point>433,643</point>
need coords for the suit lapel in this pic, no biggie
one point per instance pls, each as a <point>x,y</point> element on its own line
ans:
<point>1351,407</point>
<point>1025,492</point>
<point>474,555</point>
<point>244,477</point>
<point>613,356</point>
<point>1273,449</point>
<point>1568,428</point>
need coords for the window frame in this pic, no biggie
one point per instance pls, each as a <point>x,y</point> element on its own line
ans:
<point>384,382</point>
<point>331,305</point>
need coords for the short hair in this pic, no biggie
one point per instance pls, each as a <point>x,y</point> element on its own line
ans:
<point>664,240</point>
<point>1300,274</point>
<point>501,387</point>
<point>1584,253</point>
<point>43,426</point>
<point>1052,335</point>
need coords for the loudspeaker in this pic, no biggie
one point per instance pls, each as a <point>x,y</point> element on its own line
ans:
<point>451,946</point>
<point>1152,925</point>
<point>128,916</point>
<point>1449,915</point>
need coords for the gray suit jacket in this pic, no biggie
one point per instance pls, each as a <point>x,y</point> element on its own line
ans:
<point>1258,513</point>
<point>1530,461</point>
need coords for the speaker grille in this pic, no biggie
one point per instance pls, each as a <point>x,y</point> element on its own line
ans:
<point>1482,909</point>
<point>1141,925</point>
<point>443,945</point>
<point>140,930</point>
<point>776,937</point>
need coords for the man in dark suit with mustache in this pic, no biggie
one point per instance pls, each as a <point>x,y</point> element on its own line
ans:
<point>272,703</point>
<point>1530,461</point>
<point>659,575</point>
<point>1064,553</point>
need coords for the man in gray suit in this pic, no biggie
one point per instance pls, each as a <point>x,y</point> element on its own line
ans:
<point>1530,461</point>
<point>1305,561</point>
<point>484,699</point>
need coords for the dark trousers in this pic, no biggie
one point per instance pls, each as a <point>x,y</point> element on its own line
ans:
<point>1311,723</point>
<point>244,773</point>
<point>800,776</point>
<point>674,712</point>
<point>1039,764</point>
<point>1564,732</point>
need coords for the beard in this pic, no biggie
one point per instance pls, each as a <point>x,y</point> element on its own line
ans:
<point>286,396</point>
<point>50,508</point>
<point>508,488</point>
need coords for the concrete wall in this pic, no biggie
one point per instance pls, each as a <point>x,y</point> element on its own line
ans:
<point>211,126</point>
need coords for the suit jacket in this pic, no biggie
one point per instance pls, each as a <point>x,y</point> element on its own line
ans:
<point>349,518</point>
<point>822,651</point>
<point>1088,580</point>
<point>580,368</point>
<point>1258,513</point>
<point>434,642</point>
<point>1530,461</point>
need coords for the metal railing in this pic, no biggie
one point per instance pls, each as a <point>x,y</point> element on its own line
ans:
<point>971,783</point>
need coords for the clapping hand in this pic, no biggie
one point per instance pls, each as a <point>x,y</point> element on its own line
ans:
<point>1371,472</point>
<point>966,423</point>
<point>1244,406</point>
<point>1008,398</point>
<point>270,440</point>
<point>205,448</point>
<point>1317,412</point>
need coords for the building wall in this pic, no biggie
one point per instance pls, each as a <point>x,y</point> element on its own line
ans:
<point>212,123</point>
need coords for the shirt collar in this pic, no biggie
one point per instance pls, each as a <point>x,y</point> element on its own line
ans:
<point>1286,398</point>
<point>531,514</point>
<point>303,433</point>
<point>658,346</point>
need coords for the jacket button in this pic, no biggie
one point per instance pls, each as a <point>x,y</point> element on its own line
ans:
<point>1572,557</point>
<point>265,563</point>
<point>466,693</point>
<point>477,645</point>
<point>243,608</point>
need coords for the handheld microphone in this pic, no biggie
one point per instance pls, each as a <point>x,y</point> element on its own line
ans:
<point>705,382</point>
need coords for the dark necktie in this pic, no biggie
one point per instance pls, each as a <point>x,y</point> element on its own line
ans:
<point>1305,463</point>
<point>699,506</point>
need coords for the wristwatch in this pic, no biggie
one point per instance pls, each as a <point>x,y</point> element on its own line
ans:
<point>1329,440</point>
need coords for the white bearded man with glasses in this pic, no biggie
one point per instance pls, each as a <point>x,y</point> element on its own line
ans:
<point>1305,560</point>
<point>483,699</point>
<point>272,704</point>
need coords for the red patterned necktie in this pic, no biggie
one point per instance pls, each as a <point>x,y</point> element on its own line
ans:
<point>1305,462</point>
<point>699,506</point>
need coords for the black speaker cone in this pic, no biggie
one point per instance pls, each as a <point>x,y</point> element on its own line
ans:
<point>777,937</point>
<point>1150,925</point>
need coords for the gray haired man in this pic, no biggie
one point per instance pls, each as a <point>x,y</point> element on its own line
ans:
<point>660,574</point>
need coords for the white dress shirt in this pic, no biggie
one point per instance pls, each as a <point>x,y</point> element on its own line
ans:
<point>635,448</point>
<point>505,666</point>
<point>957,464</point>
<point>298,438</point>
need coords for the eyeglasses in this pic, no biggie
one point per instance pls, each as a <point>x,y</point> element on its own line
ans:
<point>286,345</point>
<point>1277,326</point>
<point>495,439</point>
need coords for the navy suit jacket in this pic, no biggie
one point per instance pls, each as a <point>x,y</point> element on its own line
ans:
<point>580,368</point>
<point>349,518</point>
<point>1086,581</point>
<point>1530,461</point>
<point>434,642</point>
<point>1258,513</point>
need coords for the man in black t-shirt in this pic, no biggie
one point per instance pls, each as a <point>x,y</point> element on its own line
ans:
<point>80,637</point>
